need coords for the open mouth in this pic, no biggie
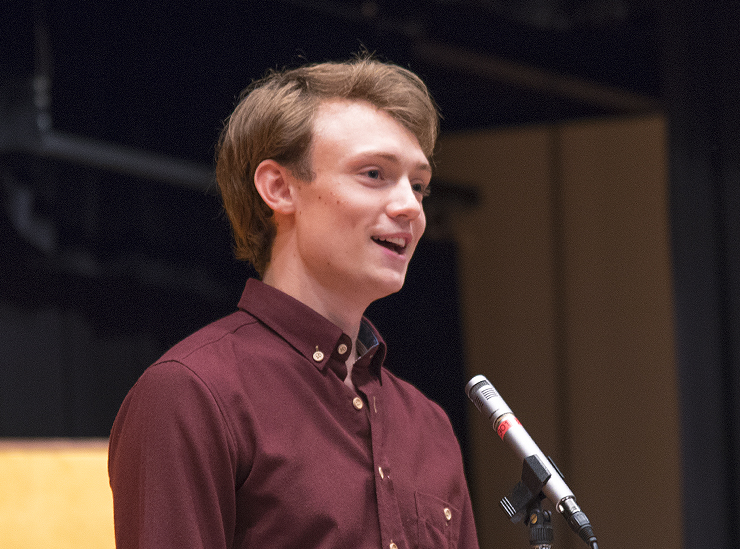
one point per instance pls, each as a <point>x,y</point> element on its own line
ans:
<point>397,245</point>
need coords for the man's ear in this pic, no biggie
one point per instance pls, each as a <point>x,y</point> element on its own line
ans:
<point>273,182</point>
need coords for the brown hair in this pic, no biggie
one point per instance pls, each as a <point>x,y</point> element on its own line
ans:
<point>274,120</point>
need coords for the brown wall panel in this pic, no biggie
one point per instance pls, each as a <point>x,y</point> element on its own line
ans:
<point>567,307</point>
<point>622,382</point>
<point>506,273</point>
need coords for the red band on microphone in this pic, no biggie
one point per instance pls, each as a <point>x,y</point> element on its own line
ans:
<point>505,425</point>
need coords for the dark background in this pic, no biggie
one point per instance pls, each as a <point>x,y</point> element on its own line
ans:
<point>109,254</point>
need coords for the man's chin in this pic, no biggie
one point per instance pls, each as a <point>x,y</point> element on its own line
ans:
<point>391,285</point>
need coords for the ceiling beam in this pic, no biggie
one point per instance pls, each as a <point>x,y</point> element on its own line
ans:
<point>527,77</point>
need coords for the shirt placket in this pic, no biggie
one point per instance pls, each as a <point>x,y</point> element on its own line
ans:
<point>391,528</point>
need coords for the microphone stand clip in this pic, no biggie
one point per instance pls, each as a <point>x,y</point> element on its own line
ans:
<point>525,502</point>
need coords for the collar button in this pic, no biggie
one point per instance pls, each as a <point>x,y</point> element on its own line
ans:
<point>318,356</point>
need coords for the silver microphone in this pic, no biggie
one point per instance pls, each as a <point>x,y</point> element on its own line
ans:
<point>507,426</point>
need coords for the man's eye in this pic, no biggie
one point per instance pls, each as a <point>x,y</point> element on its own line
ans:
<point>421,189</point>
<point>373,174</point>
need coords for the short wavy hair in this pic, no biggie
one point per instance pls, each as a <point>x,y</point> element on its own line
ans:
<point>274,120</point>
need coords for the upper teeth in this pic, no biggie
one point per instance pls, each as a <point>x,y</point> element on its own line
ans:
<point>393,240</point>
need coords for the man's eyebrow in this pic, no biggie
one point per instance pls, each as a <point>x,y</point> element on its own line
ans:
<point>423,166</point>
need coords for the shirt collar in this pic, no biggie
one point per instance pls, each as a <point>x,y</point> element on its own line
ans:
<point>312,335</point>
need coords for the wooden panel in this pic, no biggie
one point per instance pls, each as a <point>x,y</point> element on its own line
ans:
<point>55,494</point>
<point>567,309</point>
<point>506,273</point>
<point>624,459</point>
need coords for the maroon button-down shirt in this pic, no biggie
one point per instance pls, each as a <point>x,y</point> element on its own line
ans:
<point>245,435</point>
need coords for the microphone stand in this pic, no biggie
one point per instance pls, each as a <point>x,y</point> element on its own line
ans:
<point>540,526</point>
<point>525,502</point>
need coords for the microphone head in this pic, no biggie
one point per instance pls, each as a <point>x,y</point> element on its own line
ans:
<point>486,398</point>
<point>475,381</point>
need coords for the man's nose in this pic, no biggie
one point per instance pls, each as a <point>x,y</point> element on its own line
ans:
<point>404,201</point>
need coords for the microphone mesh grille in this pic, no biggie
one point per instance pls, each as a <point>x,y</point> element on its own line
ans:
<point>486,391</point>
<point>489,392</point>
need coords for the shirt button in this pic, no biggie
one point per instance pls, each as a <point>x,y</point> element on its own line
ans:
<point>448,513</point>
<point>380,471</point>
<point>357,403</point>
<point>393,546</point>
<point>342,348</point>
<point>318,356</point>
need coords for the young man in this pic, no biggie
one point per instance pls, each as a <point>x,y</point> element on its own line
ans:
<point>278,426</point>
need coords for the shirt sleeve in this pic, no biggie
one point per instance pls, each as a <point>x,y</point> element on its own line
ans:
<point>171,465</point>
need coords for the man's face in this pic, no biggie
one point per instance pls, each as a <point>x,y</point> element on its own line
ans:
<point>359,220</point>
